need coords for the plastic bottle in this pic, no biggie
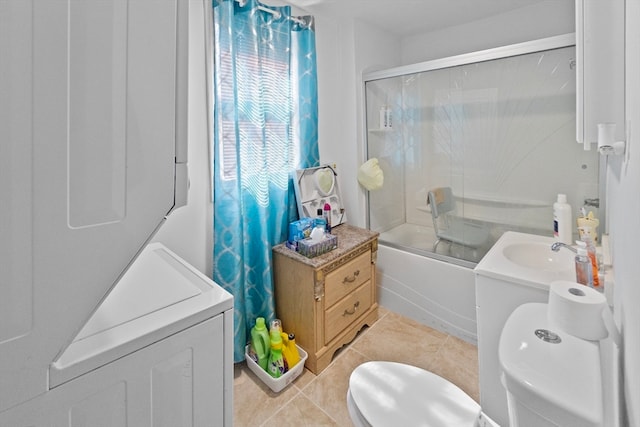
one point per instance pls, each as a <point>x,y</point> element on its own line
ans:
<point>591,252</point>
<point>286,352</point>
<point>276,325</point>
<point>562,220</point>
<point>261,342</point>
<point>292,355</point>
<point>319,220</point>
<point>327,216</point>
<point>276,366</point>
<point>584,272</point>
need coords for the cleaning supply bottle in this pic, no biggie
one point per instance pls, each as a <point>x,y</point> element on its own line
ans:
<point>584,271</point>
<point>275,326</point>
<point>293,356</point>
<point>562,220</point>
<point>261,342</point>
<point>276,366</point>
<point>327,216</point>
<point>286,353</point>
<point>591,252</point>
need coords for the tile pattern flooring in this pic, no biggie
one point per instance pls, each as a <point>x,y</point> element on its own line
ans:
<point>321,400</point>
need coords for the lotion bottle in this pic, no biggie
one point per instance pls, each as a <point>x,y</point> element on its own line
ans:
<point>562,220</point>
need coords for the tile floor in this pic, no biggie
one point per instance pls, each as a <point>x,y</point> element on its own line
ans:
<point>321,400</point>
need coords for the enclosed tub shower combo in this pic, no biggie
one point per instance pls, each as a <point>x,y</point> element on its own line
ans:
<point>471,146</point>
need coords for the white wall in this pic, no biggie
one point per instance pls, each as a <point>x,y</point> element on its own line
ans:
<point>188,231</point>
<point>546,19</point>
<point>346,49</point>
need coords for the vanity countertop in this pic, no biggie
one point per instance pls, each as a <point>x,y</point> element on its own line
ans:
<point>349,237</point>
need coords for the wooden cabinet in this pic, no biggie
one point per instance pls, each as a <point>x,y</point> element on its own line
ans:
<point>326,300</point>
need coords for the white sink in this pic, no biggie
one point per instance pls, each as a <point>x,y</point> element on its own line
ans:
<point>527,259</point>
<point>538,256</point>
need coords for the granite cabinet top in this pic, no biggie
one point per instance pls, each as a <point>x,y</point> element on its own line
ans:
<point>349,237</point>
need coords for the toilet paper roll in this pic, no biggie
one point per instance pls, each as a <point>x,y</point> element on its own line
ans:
<point>577,310</point>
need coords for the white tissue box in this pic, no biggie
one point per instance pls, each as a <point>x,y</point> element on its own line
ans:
<point>310,249</point>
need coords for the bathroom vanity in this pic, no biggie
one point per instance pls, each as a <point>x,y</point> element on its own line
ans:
<point>517,270</point>
<point>326,300</point>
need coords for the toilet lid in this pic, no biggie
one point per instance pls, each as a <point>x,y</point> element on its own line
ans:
<point>389,393</point>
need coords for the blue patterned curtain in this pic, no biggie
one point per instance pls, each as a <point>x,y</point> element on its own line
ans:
<point>265,126</point>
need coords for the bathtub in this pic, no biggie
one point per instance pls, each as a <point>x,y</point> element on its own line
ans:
<point>432,289</point>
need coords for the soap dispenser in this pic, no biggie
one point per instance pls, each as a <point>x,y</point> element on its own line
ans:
<point>584,271</point>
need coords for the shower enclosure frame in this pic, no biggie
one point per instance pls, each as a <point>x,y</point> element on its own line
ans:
<point>550,43</point>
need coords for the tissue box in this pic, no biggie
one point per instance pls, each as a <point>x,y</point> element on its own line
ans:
<point>312,249</point>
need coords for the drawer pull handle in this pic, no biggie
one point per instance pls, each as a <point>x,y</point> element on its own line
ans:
<point>351,279</point>
<point>349,313</point>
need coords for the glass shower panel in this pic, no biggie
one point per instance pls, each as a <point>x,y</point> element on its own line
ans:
<point>385,124</point>
<point>493,140</point>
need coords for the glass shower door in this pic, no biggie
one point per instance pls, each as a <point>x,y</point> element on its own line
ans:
<point>496,137</point>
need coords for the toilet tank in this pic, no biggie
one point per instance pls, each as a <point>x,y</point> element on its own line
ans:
<point>552,378</point>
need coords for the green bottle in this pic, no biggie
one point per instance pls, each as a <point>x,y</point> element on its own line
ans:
<point>260,342</point>
<point>276,366</point>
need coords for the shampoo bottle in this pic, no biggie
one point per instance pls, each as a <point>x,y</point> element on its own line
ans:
<point>584,272</point>
<point>562,220</point>
<point>260,342</point>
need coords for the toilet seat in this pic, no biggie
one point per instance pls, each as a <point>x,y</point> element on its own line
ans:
<point>395,394</point>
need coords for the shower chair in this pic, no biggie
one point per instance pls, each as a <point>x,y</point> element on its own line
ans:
<point>450,228</point>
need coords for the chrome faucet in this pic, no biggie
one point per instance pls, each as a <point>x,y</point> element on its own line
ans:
<point>557,245</point>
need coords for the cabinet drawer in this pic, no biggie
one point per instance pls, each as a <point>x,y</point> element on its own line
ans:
<point>342,314</point>
<point>345,279</point>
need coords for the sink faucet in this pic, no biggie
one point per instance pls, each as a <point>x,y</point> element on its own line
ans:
<point>557,245</point>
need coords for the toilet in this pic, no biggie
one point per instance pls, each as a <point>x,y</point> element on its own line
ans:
<point>551,379</point>
<point>395,394</point>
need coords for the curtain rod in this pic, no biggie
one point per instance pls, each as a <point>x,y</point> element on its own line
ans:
<point>275,13</point>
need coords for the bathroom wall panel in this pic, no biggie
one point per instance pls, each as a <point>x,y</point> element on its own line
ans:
<point>16,280</point>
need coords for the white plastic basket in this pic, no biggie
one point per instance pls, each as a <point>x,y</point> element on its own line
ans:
<point>276,384</point>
